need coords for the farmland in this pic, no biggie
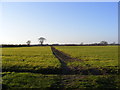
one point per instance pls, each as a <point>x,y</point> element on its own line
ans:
<point>39,67</point>
<point>100,57</point>
<point>29,59</point>
<point>32,80</point>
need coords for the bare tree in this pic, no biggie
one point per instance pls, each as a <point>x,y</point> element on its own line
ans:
<point>28,42</point>
<point>41,40</point>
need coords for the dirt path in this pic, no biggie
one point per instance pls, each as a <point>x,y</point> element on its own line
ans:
<point>62,58</point>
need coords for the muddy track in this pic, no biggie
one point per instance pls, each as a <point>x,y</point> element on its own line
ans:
<point>62,58</point>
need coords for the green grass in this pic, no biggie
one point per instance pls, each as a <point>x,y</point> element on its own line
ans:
<point>92,56</point>
<point>28,80</point>
<point>35,59</point>
<point>31,80</point>
<point>27,60</point>
<point>91,81</point>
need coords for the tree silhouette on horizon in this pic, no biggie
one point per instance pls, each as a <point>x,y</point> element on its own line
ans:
<point>41,40</point>
<point>28,42</point>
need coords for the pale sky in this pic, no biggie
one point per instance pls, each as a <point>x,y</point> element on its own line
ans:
<point>58,22</point>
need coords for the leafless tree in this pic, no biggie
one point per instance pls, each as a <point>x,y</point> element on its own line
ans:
<point>41,40</point>
<point>28,42</point>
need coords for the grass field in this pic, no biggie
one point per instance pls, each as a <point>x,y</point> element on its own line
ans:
<point>29,59</point>
<point>93,56</point>
<point>32,80</point>
<point>37,67</point>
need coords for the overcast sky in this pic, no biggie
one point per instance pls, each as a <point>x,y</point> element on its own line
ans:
<point>58,22</point>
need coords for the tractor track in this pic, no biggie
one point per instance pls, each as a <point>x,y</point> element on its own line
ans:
<point>62,57</point>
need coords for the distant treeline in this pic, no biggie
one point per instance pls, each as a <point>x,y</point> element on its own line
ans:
<point>20,45</point>
<point>24,45</point>
<point>82,44</point>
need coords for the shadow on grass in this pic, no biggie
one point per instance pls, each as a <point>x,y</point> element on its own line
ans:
<point>31,80</point>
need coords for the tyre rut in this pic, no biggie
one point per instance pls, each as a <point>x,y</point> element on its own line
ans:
<point>62,57</point>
